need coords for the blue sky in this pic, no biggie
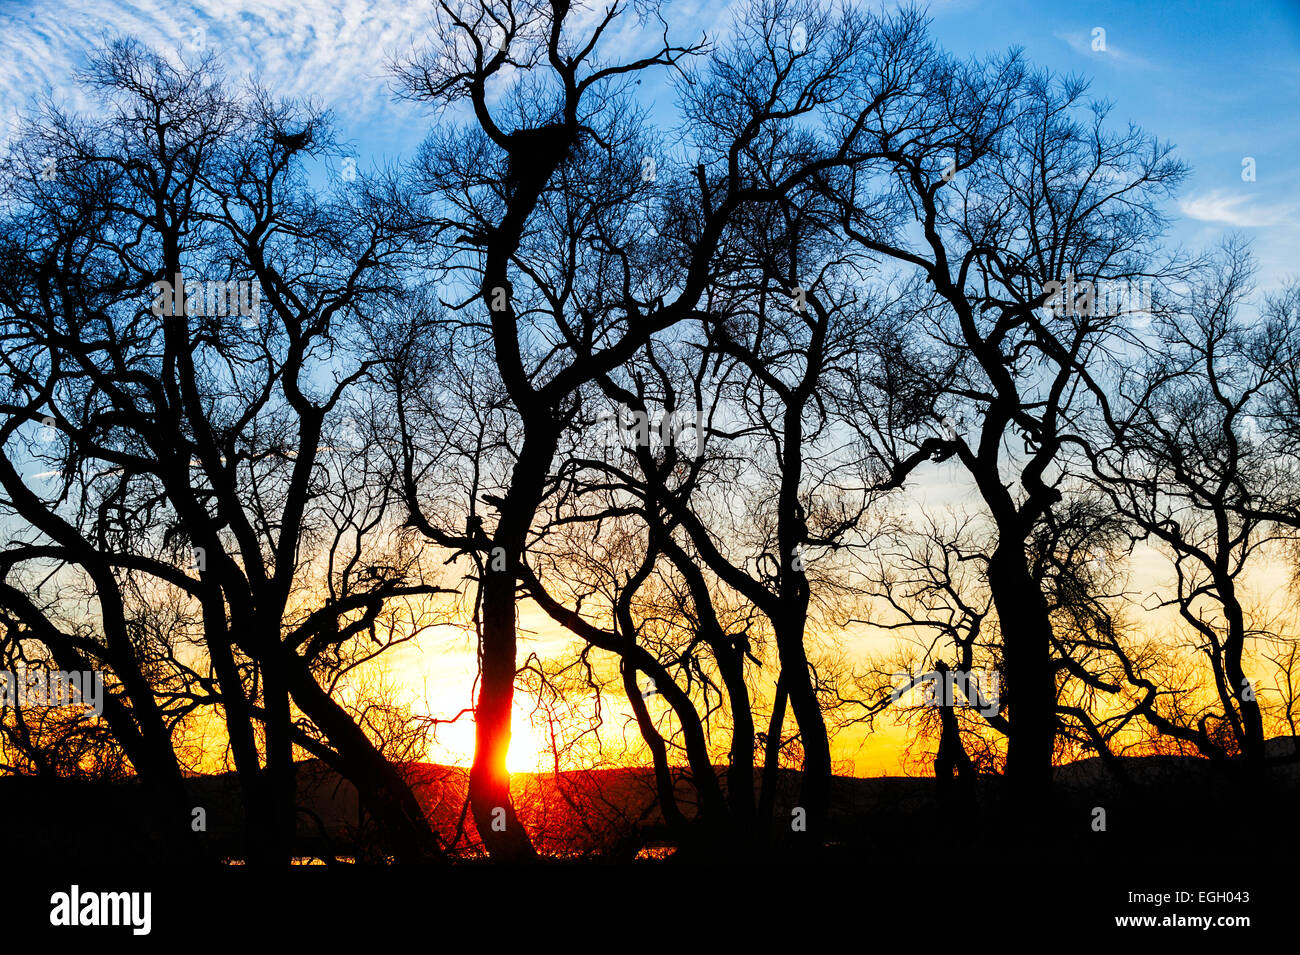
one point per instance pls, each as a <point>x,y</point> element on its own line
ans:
<point>1221,80</point>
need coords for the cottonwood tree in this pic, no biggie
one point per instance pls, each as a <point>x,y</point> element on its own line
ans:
<point>1012,181</point>
<point>804,495</point>
<point>574,239</point>
<point>931,578</point>
<point>785,314</point>
<point>613,567</point>
<point>1193,471</point>
<point>175,300</point>
<point>496,185</point>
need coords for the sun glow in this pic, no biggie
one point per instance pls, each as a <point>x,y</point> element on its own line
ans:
<point>530,749</point>
<point>530,746</point>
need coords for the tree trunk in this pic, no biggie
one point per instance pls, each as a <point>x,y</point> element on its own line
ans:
<point>489,781</point>
<point>955,798</point>
<point>1252,722</point>
<point>772,760</point>
<point>672,813</point>
<point>815,784</point>
<point>381,789</point>
<point>1030,685</point>
<point>740,771</point>
<point>280,778</point>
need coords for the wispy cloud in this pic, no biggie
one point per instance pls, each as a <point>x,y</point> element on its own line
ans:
<point>329,49</point>
<point>334,51</point>
<point>1235,210</point>
<point>1083,41</point>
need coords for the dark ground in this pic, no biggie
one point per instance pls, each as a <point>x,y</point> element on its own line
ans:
<point>899,859</point>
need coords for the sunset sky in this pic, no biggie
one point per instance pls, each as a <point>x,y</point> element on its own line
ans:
<point>1219,80</point>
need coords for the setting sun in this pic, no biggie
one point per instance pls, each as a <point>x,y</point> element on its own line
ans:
<point>529,748</point>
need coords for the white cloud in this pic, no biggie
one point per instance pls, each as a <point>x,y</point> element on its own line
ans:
<point>1235,210</point>
<point>1081,42</point>
<point>332,50</point>
<point>335,51</point>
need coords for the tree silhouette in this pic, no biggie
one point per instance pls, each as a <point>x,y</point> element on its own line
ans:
<point>1013,187</point>
<point>190,433</point>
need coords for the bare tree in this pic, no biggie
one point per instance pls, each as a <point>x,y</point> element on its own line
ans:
<point>1189,468</point>
<point>585,240</point>
<point>1015,189</point>
<point>190,430</point>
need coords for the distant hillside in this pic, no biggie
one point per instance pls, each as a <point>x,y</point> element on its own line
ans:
<point>613,813</point>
